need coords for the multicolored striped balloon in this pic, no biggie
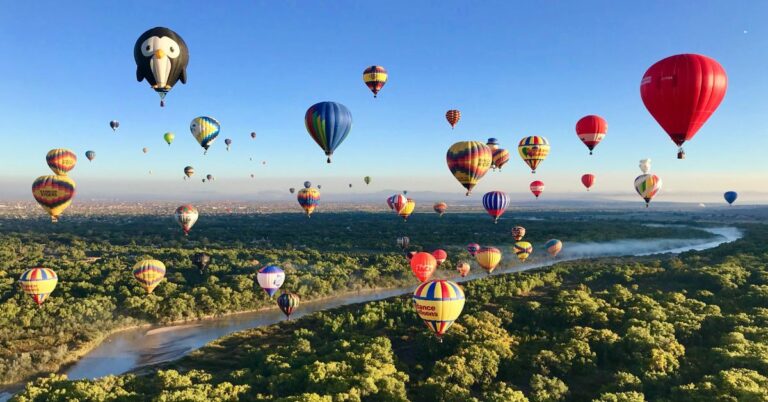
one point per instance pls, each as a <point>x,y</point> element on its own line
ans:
<point>270,279</point>
<point>328,123</point>
<point>488,258</point>
<point>473,248</point>
<point>553,247</point>
<point>500,158</point>
<point>398,202</point>
<point>61,161</point>
<point>533,150</point>
<point>54,194</point>
<point>495,203</point>
<point>186,216</point>
<point>407,210</point>
<point>309,199</point>
<point>439,303</point>
<point>288,302</point>
<point>647,185</point>
<point>537,187</point>
<point>591,130</point>
<point>518,232</point>
<point>440,207</point>
<point>375,77</point>
<point>523,249</point>
<point>205,129</point>
<point>149,273</point>
<point>468,161</point>
<point>38,283</point>
<point>453,116</point>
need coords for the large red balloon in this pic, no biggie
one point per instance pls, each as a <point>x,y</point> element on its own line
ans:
<point>423,265</point>
<point>681,92</point>
<point>591,130</point>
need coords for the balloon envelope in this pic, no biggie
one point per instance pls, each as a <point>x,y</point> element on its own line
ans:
<point>205,129</point>
<point>288,302</point>
<point>453,116</point>
<point>149,273</point>
<point>54,194</point>
<point>328,123</point>
<point>38,283</point>
<point>468,161</point>
<point>309,199</point>
<point>423,265</point>
<point>647,186</point>
<point>553,247</point>
<point>161,57</point>
<point>537,187</point>
<point>440,207</point>
<point>591,130</point>
<point>473,248</point>
<point>523,249</point>
<point>495,203</point>
<point>533,150</point>
<point>375,77</point>
<point>440,256</point>
<point>61,161</point>
<point>518,232</point>
<point>270,279</point>
<point>186,216</point>
<point>730,196</point>
<point>439,303</point>
<point>588,180</point>
<point>91,155</point>
<point>488,258</point>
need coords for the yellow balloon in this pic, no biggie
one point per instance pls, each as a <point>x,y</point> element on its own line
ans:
<point>149,273</point>
<point>38,283</point>
<point>439,303</point>
<point>407,209</point>
<point>523,249</point>
<point>53,193</point>
<point>533,150</point>
<point>488,258</point>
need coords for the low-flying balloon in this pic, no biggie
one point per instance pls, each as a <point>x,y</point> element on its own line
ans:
<point>328,123</point>
<point>38,283</point>
<point>403,242</point>
<point>61,161</point>
<point>205,129</point>
<point>423,265</point>
<point>453,116</point>
<point>201,261</point>
<point>439,303</point>
<point>270,279</point>
<point>149,273</point>
<point>518,232</point>
<point>309,199</point>
<point>288,302</point>
<point>533,150</point>
<point>407,210</point>
<point>488,258</point>
<point>54,193</point>
<point>681,92</point>
<point>647,186</point>
<point>161,57</point>
<point>440,208</point>
<point>473,248</point>
<point>537,187</point>
<point>463,268</point>
<point>523,249</point>
<point>398,202</point>
<point>730,196</point>
<point>409,255</point>
<point>591,130</point>
<point>469,161</point>
<point>588,180</point>
<point>495,203</point>
<point>553,247</point>
<point>375,77</point>
<point>440,256</point>
<point>186,216</point>
<point>90,155</point>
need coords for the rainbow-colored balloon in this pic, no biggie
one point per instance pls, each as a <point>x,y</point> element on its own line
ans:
<point>149,273</point>
<point>553,247</point>
<point>54,193</point>
<point>375,77</point>
<point>439,303</point>
<point>533,150</point>
<point>309,199</point>
<point>61,160</point>
<point>328,123</point>
<point>648,185</point>
<point>469,161</point>
<point>523,249</point>
<point>38,283</point>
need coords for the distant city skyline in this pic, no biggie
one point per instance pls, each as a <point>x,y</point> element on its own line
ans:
<point>512,69</point>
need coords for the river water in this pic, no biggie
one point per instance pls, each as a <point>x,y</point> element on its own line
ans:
<point>136,348</point>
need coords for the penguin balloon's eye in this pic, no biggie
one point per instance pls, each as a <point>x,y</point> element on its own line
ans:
<point>148,47</point>
<point>172,49</point>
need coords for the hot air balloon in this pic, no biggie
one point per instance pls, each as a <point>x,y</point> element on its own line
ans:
<point>350,185</point>
<point>398,202</point>
<point>453,116</point>
<point>468,162</point>
<point>591,130</point>
<point>405,192</point>
<point>463,268</point>
<point>588,180</point>
<point>38,283</point>
<point>328,123</point>
<point>518,232</point>
<point>309,199</point>
<point>440,256</point>
<point>500,158</point>
<point>523,249</point>
<point>291,190</point>
<point>439,304</point>
<point>168,137</point>
<point>205,130</point>
<point>537,187</point>
<point>252,175</point>
<point>403,242</point>
<point>423,265</point>
<point>681,92</point>
<point>186,216</point>
<point>114,124</point>
<point>488,258</point>
<point>90,155</point>
<point>270,279</point>
<point>407,210</point>
<point>409,255</point>
<point>201,261</point>
<point>149,273</point>
<point>288,302</point>
<point>473,248</point>
<point>375,77</point>
<point>227,142</point>
<point>553,247</point>
<point>61,161</point>
<point>145,150</point>
<point>307,184</point>
<point>54,194</point>
<point>645,165</point>
<point>495,203</point>
<point>533,150</point>
<point>253,135</point>
<point>367,180</point>
<point>440,207</point>
<point>391,202</point>
<point>647,185</point>
<point>493,144</point>
<point>319,187</point>
<point>189,171</point>
<point>161,58</point>
<point>730,197</point>
<point>209,177</point>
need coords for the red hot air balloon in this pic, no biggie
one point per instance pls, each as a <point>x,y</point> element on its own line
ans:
<point>423,265</point>
<point>453,117</point>
<point>591,130</point>
<point>440,256</point>
<point>399,202</point>
<point>588,180</point>
<point>537,187</point>
<point>681,92</point>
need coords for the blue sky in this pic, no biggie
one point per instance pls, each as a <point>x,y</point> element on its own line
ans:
<point>513,68</point>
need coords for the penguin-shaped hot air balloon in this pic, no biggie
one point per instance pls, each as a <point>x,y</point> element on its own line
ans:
<point>161,57</point>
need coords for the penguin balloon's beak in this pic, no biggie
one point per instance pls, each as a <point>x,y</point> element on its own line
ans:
<point>159,54</point>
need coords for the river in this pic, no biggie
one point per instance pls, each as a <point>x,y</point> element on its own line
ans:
<point>140,347</point>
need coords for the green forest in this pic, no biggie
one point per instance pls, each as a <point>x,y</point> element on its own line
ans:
<point>690,327</point>
<point>327,255</point>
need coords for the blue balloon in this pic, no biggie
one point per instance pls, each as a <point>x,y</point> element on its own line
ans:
<point>307,184</point>
<point>328,123</point>
<point>730,196</point>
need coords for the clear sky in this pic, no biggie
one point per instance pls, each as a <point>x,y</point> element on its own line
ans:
<point>513,68</point>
